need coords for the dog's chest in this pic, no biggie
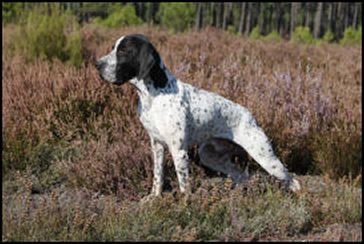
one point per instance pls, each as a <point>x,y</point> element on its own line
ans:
<point>146,118</point>
<point>154,114</point>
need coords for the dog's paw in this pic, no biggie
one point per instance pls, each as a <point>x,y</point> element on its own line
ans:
<point>294,185</point>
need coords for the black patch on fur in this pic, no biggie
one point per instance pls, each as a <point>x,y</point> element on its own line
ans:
<point>137,57</point>
<point>150,66</point>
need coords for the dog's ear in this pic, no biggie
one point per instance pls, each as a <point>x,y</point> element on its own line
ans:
<point>146,61</point>
<point>150,66</point>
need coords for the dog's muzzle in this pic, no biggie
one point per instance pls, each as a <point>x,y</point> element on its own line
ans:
<point>100,65</point>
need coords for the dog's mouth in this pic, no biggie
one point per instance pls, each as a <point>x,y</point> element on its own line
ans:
<point>116,83</point>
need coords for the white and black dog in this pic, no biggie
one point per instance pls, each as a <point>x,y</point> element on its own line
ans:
<point>178,115</point>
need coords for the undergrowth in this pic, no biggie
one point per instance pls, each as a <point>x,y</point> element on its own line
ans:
<point>75,143</point>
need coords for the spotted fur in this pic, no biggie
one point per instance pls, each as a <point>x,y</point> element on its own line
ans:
<point>177,115</point>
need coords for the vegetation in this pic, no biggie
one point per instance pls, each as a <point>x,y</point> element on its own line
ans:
<point>11,11</point>
<point>76,161</point>
<point>215,212</point>
<point>283,18</point>
<point>273,36</point>
<point>351,36</point>
<point>328,37</point>
<point>302,35</point>
<point>119,17</point>
<point>255,34</point>
<point>177,16</point>
<point>46,34</point>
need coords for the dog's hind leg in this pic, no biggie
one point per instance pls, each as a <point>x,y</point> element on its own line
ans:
<point>217,154</point>
<point>252,138</point>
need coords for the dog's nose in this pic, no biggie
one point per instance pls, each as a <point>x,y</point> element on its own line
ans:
<point>99,65</point>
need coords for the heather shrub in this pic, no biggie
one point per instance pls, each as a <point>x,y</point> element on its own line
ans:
<point>176,16</point>
<point>297,99</point>
<point>214,213</point>
<point>120,16</point>
<point>77,161</point>
<point>302,35</point>
<point>337,154</point>
<point>47,36</point>
<point>351,36</point>
<point>15,151</point>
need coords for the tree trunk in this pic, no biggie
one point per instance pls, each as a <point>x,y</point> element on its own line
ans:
<point>308,15</point>
<point>270,18</point>
<point>228,8</point>
<point>339,20</point>
<point>199,16</point>
<point>346,15</point>
<point>213,12</point>
<point>141,12</point>
<point>224,21</point>
<point>220,15</point>
<point>279,18</point>
<point>329,16</point>
<point>242,18</point>
<point>318,17</point>
<point>293,17</point>
<point>149,12</point>
<point>261,17</point>
<point>248,19</point>
<point>287,23</point>
<point>355,17</point>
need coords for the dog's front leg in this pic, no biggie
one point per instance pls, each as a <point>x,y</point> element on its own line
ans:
<point>158,157</point>
<point>180,159</point>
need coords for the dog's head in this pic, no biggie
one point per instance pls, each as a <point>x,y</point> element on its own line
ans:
<point>132,56</point>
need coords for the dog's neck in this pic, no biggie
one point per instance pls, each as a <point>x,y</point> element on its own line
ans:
<point>146,87</point>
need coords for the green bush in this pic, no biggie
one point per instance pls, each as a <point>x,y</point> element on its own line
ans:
<point>273,36</point>
<point>177,16</point>
<point>255,34</point>
<point>231,29</point>
<point>328,37</point>
<point>73,49</point>
<point>351,36</point>
<point>11,11</point>
<point>302,35</point>
<point>120,16</point>
<point>48,35</point>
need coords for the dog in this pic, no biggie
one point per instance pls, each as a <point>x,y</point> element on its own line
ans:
<point>177,115</point>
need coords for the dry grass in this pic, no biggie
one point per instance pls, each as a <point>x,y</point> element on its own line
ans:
<point>213,212</point>
<point>71,136</point>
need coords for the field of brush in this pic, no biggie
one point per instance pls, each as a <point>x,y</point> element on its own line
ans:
<point>76,159</point>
